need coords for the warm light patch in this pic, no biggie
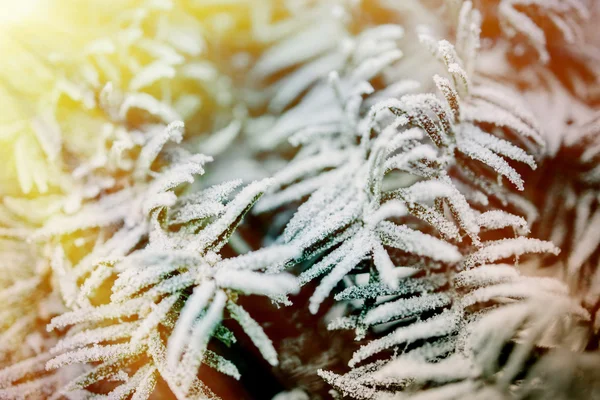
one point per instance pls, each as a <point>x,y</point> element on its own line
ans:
<point>15,11</point>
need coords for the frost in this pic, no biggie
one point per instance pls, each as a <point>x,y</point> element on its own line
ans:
<point>126,309</point>
<point>217,233</point>
<point>499,219</point>
<point>154,318</point>
<point>450,369</point>
<point>255,332</point>
<point>389,167</point>
<point>301,47</point>
<point>151,74</point>
<point>588,242</point>
<point>201,332</point>
<point>148,103</point>
<point>519,18</point>
<point>173,132</point>
<point>507,248</point>
<point>437,326</point>
<point>178,238</point>
<point>190,312</point>
<point>405,308</point>
<point>260,259</point>
<point>95,336</point>
<point>411,241</point>
<point>255,283</point>
<point>94,353</point>
<point>345,265</point>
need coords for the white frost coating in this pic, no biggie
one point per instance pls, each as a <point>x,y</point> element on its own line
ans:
<point>480,153</point>
<point>199,338</point>
<point>98,276</point>
<point>148,103</point>
<point>372,49</point>
<point>389,209</point>
<point>95,336</point>
<point>171,285</point>
<point>350,260</point>
<point>20,369</point>
<point>496,327</point>
<point>221,364</point>
<point>254,332</point>
<point>353,386</point>
<point>497,219</point>
<point>146,383</point>
<point>401,140</point>
<point>294,121</point>
<point>48,134</point>
<point>296,394</point>
<point>260,259</point>
<point>408,286</point>
<point>505,248</point>
<point>315,40</point>
<point>450,391</point>
<point>215,193</point>
<point>155,317</point>
<point>403,160</point>
<point>384,265</point>
<point>415,242</point>
<point>521,290</point>
<point>486,275</point>
<point>66,282</point>
<point>322,199</point>
<point>151,257</point>
<point>94,353</point>
<point>308,134</point>
<point>168,179</point>
<point>343,323</point>
<point>108,311</point>
<point>394,90</point>
<point>250,282</point>
<point>497,145</point>
<point>586,246</point>
<point>405,308</point>
<point>453,368</point>
<point>140,380</point>
<point>173,132</point>
<point>210,235</point>
<point>331,259</point>
<point>382,32</point>
<point>450,94</point>
<point>336,221</point>
<point>520,22</point>
<point>296,191</point>
<point>193,306</point>
<point>341,166</point>
<point>197,211</point>
<point>427,191</point>
<point>133,280</point>
<point>503,98</point>
<point>222,139</point>
<point>298,169</point>
<point>440,325</point>
<point>373,66</point>
<point>19,290</point>
<point>491,114</point>
<point>119,244</point>
<point>291,87</point>
<point>110,209</point>
<point>204,204</point>
<point>150,74</point>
